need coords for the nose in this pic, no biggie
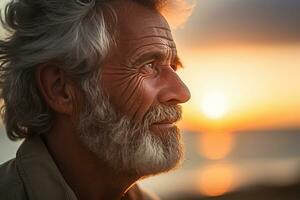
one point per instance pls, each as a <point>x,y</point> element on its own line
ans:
<point>174,91</point>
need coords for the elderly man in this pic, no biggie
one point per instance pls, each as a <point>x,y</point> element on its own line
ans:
<point>91,86</point>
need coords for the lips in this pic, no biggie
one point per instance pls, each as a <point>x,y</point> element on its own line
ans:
<point>163,124</point>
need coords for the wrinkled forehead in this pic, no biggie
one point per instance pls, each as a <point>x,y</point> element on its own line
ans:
<point>137,21</point>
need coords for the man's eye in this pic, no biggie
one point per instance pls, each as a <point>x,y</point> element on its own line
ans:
<point>148,68</point>
<point>149,65</point>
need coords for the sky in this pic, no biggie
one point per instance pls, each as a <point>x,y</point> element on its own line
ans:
<point>245,53</point>
<point>244,22</point>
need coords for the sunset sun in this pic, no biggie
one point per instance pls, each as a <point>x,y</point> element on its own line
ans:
<point>214,105</point>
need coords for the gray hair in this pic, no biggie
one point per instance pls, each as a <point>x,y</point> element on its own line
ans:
<point>74,34</point>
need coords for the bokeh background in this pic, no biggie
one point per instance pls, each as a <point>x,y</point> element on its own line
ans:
<point>241,127</point>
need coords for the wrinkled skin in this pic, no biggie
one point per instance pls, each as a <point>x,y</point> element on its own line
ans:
<point>141,72</point>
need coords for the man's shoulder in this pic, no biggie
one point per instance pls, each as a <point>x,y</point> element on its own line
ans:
<point>9,174</point>
<point>11,187</point>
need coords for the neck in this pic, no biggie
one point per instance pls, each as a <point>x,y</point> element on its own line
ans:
<point>88,176</point>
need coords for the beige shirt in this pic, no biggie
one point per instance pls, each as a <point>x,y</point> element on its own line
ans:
<point>33,175</point>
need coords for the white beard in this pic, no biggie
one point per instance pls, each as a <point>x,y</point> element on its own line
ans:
<point>129,147</point>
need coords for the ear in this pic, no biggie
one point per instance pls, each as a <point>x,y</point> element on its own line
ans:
<point>56,90</point>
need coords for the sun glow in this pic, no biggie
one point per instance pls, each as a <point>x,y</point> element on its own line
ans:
<point>214,105</point>
<point>216,180</point>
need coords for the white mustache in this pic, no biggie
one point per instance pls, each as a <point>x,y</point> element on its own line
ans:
<point>162,112</point>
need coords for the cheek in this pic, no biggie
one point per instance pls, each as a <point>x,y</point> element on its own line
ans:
<point>130,93</point>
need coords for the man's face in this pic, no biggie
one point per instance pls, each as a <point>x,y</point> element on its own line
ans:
<point>142,71</point>
<point>131,126</point>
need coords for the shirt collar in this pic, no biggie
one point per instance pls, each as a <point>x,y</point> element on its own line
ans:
<point>40,175</point>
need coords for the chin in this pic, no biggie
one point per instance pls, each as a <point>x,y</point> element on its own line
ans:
<point>157,168</point>
<point>164,154</point>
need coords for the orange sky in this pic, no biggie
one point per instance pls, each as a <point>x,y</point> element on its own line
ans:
<point>248,53</point>
<point>261,85</point>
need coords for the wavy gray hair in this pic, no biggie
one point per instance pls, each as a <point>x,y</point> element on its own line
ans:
<point>75,34</point>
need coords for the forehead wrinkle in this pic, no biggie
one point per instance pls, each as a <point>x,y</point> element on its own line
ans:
<point>150,40</point>
<point>131,47</point>
<point>155,21</point>
<point>138,52</point>
<point>149,36</point>
<point>163,28</point>
<point>148,32</point>
<point>170,54</point>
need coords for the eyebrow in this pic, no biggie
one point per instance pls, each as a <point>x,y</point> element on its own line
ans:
<point>147,56</point>
<point>157,55</point>
<point>178,62</point>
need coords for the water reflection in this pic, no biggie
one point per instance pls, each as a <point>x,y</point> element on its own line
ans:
<point>217,179</point>
<point>215,145</point>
